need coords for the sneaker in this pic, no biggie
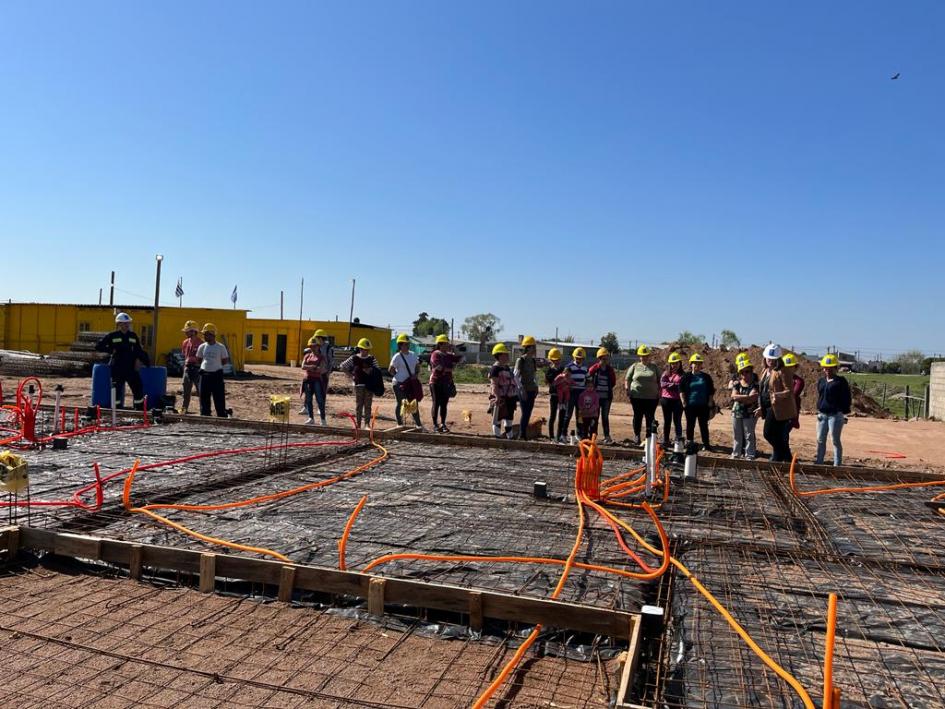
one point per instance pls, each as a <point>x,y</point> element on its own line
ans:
<point>303,410</point>
<point>735,456</point>
<point>635,441</point>
<point>323,422</point>
<point>608,440</point>
<point>309,421</point>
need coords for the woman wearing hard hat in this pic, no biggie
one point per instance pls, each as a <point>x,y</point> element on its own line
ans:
<point>313,368</point>
<point>605,379</point>
<point>326,352</point>
<point>670,402</point>
<point>642,384</point>
<point>697,392</point>
<point>833,404</point>
<point>777,403</point>
<point>212,356</point>
<point>442,387</point>
<point>405,369</point>
<point>191,374</point>
<point>551,373</point>
<point>359,367</point>
<point>503,394</point>
<point>744,388</point>
<point>526,374</point>
<point>577,375</point>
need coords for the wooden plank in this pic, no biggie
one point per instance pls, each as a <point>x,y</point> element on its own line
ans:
<point>10,540</point>
<point>346,583</point>
<point>286,583</point>
<point>376,597</point>
<point>475,611</point>
<point>134,562</point>
<point>246,569</point>
<point>630,666</point>
<point>208,572</point>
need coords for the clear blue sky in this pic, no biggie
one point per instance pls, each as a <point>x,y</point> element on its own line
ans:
<point>637,167</point>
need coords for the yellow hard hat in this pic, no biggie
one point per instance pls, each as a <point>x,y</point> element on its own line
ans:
<point>696,357</point>
<point>320,333</point>
<point>789,359</point>
<point>364,344</point>
<point>528,341</point>
<point>403,337</point>
<point>742,361</point>
<point>500,348</point>
<point>209,327</point>
<point>602,352</point>
<point>829,360</point>
<point>554,354</point>
<point>673,358</point>
<point>442,339</point>
<point>578,352</point>
<point>311,340</point>
<point>190,325</point>
<point>643,351</point>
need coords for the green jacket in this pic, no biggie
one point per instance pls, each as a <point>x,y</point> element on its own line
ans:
<point>644,381</point>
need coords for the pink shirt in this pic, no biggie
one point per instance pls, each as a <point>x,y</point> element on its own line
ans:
<point>188,348</point>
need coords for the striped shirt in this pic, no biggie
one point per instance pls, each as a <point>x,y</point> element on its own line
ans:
<point>578,374</point>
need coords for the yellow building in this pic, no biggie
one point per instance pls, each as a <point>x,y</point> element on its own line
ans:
<point>51,327</point>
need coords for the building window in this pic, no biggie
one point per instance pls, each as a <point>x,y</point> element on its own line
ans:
<point>265,342</point>
<point>249,340</point>
<point>146,331</point>
<point>85,326</point>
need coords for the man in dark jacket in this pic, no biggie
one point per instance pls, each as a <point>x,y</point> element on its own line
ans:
<point>124,346</point>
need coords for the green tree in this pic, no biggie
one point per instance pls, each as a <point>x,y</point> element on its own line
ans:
<point>729,339</point>
<point>482,328</point>
<point>689,338</point>
<point>424,326</point>
<point>927,364</point>
<point>568,338</point>
<point>910,362</point>
<point>610,343</point>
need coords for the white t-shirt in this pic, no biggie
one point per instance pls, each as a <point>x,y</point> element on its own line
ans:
<point>404,366</point>
<point>211,356</point>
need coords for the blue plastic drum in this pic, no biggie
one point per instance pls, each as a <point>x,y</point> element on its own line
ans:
<point>154,383</point>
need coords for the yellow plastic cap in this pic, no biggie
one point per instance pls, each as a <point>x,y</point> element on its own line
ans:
<point>364,344</point>
<point>554,354</point>
<point>673,358</point>
<point>403,337</point>
<point>442,340</point>
<point>190,325</point>
<point>500,348</point>
<point>644,351</point>
<point>528,341</point>
<point>789,360</point>
<point>209,327</point>
<point>602,352</point>
<point>696,358</point>
<point>320,333</point>
<point>829,360</point>
<point>578,353</point>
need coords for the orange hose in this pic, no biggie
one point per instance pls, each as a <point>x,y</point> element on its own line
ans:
<point>343,542</point>
<point>828,651</point>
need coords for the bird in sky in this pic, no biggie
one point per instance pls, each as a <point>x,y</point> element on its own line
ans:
<point>894,76</point>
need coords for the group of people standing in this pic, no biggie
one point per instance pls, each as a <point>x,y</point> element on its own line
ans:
<point>581,396</point>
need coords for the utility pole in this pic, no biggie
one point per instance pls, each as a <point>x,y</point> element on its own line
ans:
<point>351,313</point>
<point>154,315</point>
<point>99,296</point>
<point>111,292</point>
<point>281,304</point>
<point>301,301</point>
<point>452,332</point>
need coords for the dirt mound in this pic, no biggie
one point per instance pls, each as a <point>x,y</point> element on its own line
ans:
<point>720,363</point>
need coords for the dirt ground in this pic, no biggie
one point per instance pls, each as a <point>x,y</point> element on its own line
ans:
<point>866,440</point>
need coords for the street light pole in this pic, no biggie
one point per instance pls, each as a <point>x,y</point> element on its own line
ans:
<point>154,315</point>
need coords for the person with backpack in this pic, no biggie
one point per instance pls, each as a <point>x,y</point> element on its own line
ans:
<point>642,384</point>
<point>360,368</point>
<point>526,374</point>
<point>405,369</point>
<point>605,379</point>
<point>577,376</point>
<point>313,367</point>
<point>670,402</point>
<point>442,387</point>
<point>834,402</point>
<point>777,404</point>
<point>697,393</point>
<point>551,374</point>
<point>744,388</point>
<point>588,409</point>
<point>504,393</point>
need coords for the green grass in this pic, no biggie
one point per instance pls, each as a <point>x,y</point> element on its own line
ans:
<point>893,384</point>
<point>471,374</point>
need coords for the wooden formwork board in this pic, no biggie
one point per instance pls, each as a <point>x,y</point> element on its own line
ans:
<point>377,590</point>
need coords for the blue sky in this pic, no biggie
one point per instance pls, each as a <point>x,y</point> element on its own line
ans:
<point>637,167</point>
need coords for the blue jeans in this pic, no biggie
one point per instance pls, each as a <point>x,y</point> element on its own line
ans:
<point>314,387</point>
<point>834,424</point>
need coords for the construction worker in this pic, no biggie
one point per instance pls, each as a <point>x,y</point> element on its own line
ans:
<point>551,373</point>
<point>744,389</point>
<point>642,384</point>
<point>777,400</point>
<point>442,387</point>
<point>327,356</point>
<point>405,369</point>
<point>313,387</point>
<point>212,356</point>
<point>526,374</point>
<point>789,360</point>
<point>605,379</point>
<point>670,402</point>
<point>697,393</point>
<point>126,353</point>
<point>503,393</point>
<point>833,404</point>
<point>191,375</point>
<point>360,367</point>
<point>577,374</point>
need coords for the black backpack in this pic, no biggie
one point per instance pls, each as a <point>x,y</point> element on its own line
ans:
<point>375,381</point>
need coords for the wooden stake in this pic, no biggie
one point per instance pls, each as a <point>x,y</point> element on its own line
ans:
<point>134,562</point>
<point>475,611</point>
<point>208,572</point>
<point>286,583</point>
<point>376,597</point>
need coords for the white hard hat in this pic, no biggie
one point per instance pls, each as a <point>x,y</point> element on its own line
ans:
<point>122,317</point>
<point>772,351</point>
